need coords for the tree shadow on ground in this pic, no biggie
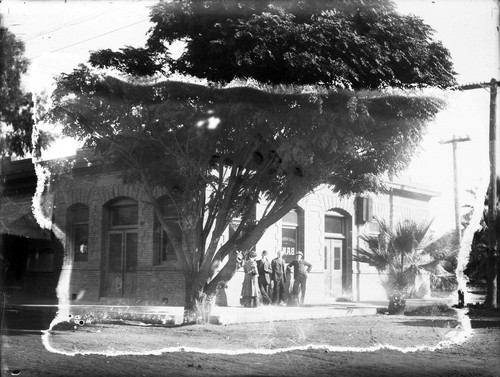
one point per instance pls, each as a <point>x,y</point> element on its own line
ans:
<point>485,323</point>
<point>24,322</point>
<point>15,332</point>
<point>444,323</point>
<point>441,323</point>
<point>483,317</point>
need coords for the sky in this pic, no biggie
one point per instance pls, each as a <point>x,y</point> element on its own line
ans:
<point>59,35</point>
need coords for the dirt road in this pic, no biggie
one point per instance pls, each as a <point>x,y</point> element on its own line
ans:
<point>259,349</point>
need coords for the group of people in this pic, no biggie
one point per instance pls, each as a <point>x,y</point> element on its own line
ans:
<point>265,281</point>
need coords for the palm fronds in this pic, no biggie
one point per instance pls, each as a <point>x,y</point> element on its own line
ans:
<point>399,253</point>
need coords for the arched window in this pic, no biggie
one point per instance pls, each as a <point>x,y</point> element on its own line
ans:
<point>78,220</point>
<point>164,251</point>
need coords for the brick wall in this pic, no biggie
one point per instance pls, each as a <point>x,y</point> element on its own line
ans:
<point>157,284</point>
<point>152,284</point>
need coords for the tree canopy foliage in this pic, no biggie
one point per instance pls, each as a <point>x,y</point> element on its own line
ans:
<point>350,44</point>
<point>16,105</point>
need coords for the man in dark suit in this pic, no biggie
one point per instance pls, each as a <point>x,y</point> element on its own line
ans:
<point>300,270</point>
<point>278,277</point>
<point>264,268</point>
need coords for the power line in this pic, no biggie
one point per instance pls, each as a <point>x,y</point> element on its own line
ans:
<point>77,21</point>
<point>477,85</point>
<point>454,141</point>
<point>89,39</point>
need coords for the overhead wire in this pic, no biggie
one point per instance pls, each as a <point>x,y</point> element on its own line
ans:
<point>92,38</point>
<point>78,21</point>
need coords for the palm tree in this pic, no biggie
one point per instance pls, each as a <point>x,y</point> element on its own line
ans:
<point>399,254</point>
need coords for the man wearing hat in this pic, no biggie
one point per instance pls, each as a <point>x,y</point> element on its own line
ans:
<point>264,268</point>
<point>300,270</point>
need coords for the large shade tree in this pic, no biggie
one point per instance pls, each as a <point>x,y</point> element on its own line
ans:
<point>216,151</point>
<point>17,107</point>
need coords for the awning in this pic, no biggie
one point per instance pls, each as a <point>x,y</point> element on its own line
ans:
<point>17,219</point>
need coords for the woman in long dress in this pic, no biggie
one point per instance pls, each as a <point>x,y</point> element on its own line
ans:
<point>250,289</point>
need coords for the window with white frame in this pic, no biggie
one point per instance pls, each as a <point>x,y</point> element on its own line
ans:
<point>78,219</point>
<point>163,248</point>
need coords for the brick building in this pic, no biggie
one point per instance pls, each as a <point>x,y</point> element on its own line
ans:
<point>115,251</point>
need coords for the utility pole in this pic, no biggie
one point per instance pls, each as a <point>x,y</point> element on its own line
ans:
<point>492,289</point>
<point>454,142</point>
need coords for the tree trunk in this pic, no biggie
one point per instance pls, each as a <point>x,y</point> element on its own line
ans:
<point>197,304</point>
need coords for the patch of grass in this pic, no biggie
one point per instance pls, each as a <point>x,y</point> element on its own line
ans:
<point>436,310</point>
<point>481,310</point>
<point>65,326</point>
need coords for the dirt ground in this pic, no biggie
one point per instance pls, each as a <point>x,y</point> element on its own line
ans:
<point>344,346</point>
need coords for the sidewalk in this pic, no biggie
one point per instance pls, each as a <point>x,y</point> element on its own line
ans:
<point>173,315</point>
<point>230,315</point>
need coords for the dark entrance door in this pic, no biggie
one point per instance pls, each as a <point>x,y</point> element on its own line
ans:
<point>121,248</point>
<point>122,263</point>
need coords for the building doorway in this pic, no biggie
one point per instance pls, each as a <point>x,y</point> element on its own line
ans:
<point>122,241</point>
<point>122,263</point>
<point>335,254</point>
<point>333,266</point>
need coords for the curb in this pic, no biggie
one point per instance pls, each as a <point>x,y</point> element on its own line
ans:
<point>170,316</point>
<point>272,314</point>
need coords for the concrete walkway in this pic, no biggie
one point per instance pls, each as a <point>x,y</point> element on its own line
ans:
<point>173,315</point>
<point>229,315</point>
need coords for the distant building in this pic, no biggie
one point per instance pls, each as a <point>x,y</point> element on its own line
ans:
<point>116,251</point>
<point>30,257</point>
